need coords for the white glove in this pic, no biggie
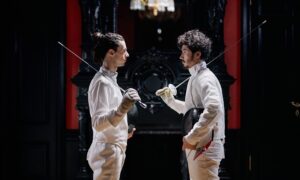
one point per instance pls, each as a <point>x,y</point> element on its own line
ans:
<point>129,98</point>
<point>166,95</point>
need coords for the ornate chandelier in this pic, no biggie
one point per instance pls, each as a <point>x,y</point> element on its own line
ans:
<point>155,6</point>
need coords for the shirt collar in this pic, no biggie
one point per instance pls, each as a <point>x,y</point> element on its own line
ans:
<point>107,72</point>
<point>197,67</point>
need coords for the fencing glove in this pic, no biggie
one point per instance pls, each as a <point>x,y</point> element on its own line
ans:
<point>165,94</point>
<point>129,98</point>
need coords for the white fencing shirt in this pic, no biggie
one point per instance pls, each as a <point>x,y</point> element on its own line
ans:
<point>104,97</point>
<point>203,91</point>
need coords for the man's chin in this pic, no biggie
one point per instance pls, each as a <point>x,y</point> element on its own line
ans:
<point>121,64</point>
<point>184,65</point>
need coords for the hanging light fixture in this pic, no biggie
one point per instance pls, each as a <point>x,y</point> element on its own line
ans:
<point>155,6</point>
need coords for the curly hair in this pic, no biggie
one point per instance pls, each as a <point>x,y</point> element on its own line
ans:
<point>103,42</point>
<point>196,41</point>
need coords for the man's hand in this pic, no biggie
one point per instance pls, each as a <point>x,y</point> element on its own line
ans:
<point>166,91</point>
<point>166,94</point>
<point>186,145</point>
<point>129,98</point>
<point>131,130</point>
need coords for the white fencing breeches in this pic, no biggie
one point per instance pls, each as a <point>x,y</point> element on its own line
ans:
<point>202,168</point>
<point>106,161</point>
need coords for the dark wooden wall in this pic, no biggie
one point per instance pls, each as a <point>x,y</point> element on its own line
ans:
<point>32,90</point>
<point>270,124</point>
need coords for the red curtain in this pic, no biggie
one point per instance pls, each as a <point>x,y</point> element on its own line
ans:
<point>73,42</point>
<point>232,34</point>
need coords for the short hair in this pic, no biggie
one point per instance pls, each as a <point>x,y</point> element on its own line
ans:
<point>103,42</point>
<point>196,41</point>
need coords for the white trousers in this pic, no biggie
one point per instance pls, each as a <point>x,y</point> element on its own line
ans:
<point>205,166</point>
<point>106,161</point>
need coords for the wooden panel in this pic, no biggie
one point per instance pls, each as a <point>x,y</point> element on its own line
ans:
<point>35,160</point>
<point>34,112</point>
<point>274,77</point>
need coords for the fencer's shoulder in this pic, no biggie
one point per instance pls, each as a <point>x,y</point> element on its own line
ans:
<point>206,75</point>
<point>99,81</point>
<point>206,78</point>
<point>207,72</point>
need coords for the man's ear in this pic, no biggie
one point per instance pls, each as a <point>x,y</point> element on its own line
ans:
<point>111,52</point>
<point>198,54</point>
